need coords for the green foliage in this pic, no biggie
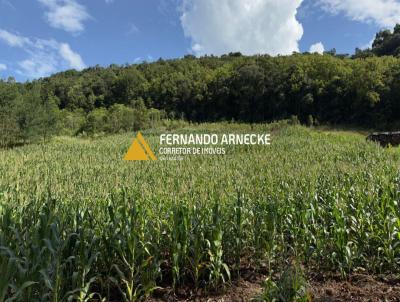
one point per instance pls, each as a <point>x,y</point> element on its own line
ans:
<point>72,122</point>
<point>9,128</point>
<point>290,287</point>
<point>120,118</point>
<point>140,115</point>
<point>333,89</point>
<point>386,43</point>
<point>101,228</point>
<point>28,116</point>
<point>362,90</point>
<point>96,121</point>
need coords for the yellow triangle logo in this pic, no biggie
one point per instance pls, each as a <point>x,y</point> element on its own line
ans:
<point>140,150</point>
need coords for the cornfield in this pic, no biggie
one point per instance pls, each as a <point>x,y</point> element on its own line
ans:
<point>77,223</point>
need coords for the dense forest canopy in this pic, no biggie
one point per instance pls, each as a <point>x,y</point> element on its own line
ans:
<point>362,90</point>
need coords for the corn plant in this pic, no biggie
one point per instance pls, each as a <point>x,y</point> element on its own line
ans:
<point>77,223</point>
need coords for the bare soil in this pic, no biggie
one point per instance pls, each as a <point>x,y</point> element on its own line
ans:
<point>357,287</point>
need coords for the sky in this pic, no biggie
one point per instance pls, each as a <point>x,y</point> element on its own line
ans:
<point>42,37</point>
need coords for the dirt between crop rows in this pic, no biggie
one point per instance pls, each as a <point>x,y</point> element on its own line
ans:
<point>357,287</point>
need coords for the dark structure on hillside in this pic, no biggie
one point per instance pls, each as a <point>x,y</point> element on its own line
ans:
<point>385,138</point>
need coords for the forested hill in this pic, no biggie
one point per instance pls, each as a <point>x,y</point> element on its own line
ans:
<point>363,90</point>
<point>250,89</point>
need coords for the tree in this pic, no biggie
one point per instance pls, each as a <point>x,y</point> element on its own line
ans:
<point>9,128</point>
<point>120,118</point>
<point>37,118</point>
<point>140,115</point>
<point>96,121</point>
<point>72,122</point>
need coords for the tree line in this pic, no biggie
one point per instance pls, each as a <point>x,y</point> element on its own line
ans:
<point>28,114</point>
<point>361,90</point>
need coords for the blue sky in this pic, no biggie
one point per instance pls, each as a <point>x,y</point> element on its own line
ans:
<point>40,37</point>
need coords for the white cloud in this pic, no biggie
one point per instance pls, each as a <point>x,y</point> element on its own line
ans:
<point>382,12</point>
<point>248,26</point>
<point>44,56</point>
<point>36,67</point>
<point>68,15</point>
<point>317,48</point>
<point>3,67</point>
<point>133,29</point>
<point>73,58</point>
<point>8,3</point>
<point>12,39</point>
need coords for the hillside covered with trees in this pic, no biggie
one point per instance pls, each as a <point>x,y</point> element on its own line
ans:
<point>362,90</point>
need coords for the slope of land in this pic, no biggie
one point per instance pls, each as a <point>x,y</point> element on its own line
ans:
<point>76,219</point>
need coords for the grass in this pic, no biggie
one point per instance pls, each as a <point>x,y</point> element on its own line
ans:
<point>78,223</point>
